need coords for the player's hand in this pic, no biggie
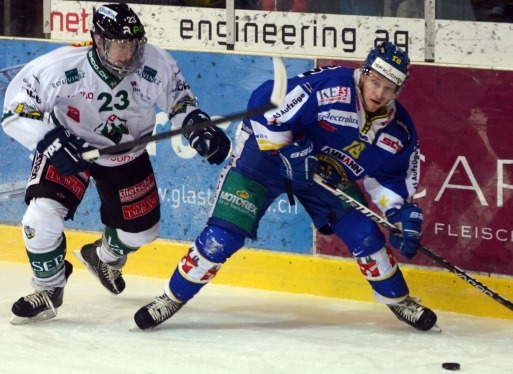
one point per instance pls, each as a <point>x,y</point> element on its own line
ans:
<point>297,161</point>
<point>210,142</point>
<point>63,149</point>
<point>409,219</point>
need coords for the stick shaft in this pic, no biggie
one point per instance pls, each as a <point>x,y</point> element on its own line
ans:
<point>277,97</point>
<point>9,191</point>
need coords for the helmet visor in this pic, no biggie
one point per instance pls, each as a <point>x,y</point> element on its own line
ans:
<point>122,57</point>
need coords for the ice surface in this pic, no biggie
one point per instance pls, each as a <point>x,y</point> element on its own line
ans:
<point>236,330</point>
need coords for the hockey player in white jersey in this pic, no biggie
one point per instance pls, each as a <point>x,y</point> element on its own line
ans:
<point>78,98</point>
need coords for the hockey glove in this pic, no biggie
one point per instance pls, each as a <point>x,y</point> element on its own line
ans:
<point>409,219</point>
<point>63,150</point>
<point>297,162</point>
<point>210,142</point>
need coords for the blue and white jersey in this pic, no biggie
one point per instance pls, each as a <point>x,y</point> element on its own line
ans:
<point>326,106</point>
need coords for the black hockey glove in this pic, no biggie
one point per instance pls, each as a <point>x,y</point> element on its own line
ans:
<point>210,142</point>
<point>409,218</point>
<point>297,162</point>
<point>63,150</point>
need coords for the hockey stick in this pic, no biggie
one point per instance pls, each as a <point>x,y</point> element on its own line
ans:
<point>426,251</point>
<point>9,191</point>
<point>277,97</point>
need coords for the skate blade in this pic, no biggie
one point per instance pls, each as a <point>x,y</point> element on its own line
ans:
<point>436,328</point>
<point>135,328</point>
<point>79,257</point>
<point>43,316</point>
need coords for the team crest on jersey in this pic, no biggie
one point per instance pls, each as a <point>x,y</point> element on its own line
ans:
<point>331,168</point>
<point>114,128</point>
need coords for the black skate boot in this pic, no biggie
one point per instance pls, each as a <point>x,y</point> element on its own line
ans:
<point>414,314</point>
<point>40,305</point>
<point>156,312</point>
<point>108,274</point>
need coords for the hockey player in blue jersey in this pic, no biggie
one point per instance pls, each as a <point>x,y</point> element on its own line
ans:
<point>346,125</point>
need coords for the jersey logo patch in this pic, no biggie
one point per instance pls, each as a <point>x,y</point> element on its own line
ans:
<point>74,114</point>
<point>142,207</point>
<point>389,143</point>
<point>344,159</point>
<point>338,94</point>
<point>150,75</point>
<point>72,183</point>
<point>137,191</point>
<point>294,100</point>
<point>72,76</point>
<point>339,117</point>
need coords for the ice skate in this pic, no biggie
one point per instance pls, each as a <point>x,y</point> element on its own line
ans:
<point>156,312</point>
<point>40,305</point>
<point>108,275</point>
<point>414,314</point>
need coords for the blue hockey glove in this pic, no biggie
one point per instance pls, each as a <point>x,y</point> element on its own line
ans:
<point>63,150</point>
<point>409,218</point>
<point>210,142</point>
<point>297,161</point>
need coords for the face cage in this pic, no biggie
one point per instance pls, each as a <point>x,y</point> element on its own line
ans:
<point>135,62</point>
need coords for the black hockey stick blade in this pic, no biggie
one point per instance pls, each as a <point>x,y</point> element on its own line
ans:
<point>424,250</point>
<point>277,98</point>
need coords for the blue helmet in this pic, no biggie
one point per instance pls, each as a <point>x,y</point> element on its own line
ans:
<point>389,61</point>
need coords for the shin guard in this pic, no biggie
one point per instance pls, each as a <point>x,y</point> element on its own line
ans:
<point>191,274</point>
<point>382,272</point>
<point>202,262</point>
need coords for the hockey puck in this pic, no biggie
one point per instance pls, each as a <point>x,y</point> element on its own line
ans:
<point>451,366</point>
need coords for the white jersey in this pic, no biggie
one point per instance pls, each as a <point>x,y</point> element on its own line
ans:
<point>70,87</point>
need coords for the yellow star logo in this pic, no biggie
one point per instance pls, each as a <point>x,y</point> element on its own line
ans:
<point>383,201</point>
